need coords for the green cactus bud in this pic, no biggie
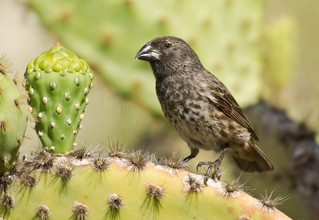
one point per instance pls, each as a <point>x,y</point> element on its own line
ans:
<point>58,83</point>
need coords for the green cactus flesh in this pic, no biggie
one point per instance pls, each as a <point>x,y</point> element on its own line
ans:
<point>82,185</point>
<point>58,83</point>
<point>13,120</point>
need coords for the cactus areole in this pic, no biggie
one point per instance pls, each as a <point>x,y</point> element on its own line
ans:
<point>58,83</point>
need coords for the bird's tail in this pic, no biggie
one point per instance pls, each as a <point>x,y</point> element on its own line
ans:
<point>260,163</point>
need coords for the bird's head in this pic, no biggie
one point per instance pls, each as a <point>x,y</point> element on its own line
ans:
<point>168,53</point>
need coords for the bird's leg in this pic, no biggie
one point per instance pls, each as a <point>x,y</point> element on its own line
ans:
<point>194,152</point>
<point>215,165</point>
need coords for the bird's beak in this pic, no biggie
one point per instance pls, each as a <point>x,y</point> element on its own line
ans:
<point>147,53</point>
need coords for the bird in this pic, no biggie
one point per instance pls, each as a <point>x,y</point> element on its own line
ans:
<point>200,108</point>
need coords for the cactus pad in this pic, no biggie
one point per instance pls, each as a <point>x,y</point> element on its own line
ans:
<point>13,120</point>
<point>76,188</point>
<point>109,34</point>
<point>58,83</point>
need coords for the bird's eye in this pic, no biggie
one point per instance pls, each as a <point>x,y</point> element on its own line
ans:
<point>168,44</point>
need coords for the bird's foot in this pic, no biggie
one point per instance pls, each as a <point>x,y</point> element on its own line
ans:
<point>216,164</point>
<point>216,174</point>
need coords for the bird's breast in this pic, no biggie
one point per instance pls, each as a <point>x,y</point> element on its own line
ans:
<point>176,97</point>
<point>187,110</point>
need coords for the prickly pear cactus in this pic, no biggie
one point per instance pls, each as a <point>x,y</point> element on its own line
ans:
<point>103,183</point>
<point>226,34</point>
<point>58,83</point>
<point>13,120</point>
<point>97,185</point>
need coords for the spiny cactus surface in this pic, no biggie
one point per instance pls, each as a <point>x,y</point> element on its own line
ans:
<point>225,33</point>
<point>83,185</point>
<point>13,119</point>
<point>58,83</point>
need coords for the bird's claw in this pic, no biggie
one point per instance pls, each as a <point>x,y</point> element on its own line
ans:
<point>205,180</point>
<point>217,175</point>
<point>201,163</point>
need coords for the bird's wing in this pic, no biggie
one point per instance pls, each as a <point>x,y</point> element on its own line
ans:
<point>228,105</point>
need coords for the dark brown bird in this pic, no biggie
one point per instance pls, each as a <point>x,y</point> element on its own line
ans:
<point>200,107</point>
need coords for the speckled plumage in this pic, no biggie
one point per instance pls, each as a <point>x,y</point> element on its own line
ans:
<point>199,106</point>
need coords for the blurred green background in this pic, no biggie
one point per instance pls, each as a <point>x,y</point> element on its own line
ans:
<point>259,49</point>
